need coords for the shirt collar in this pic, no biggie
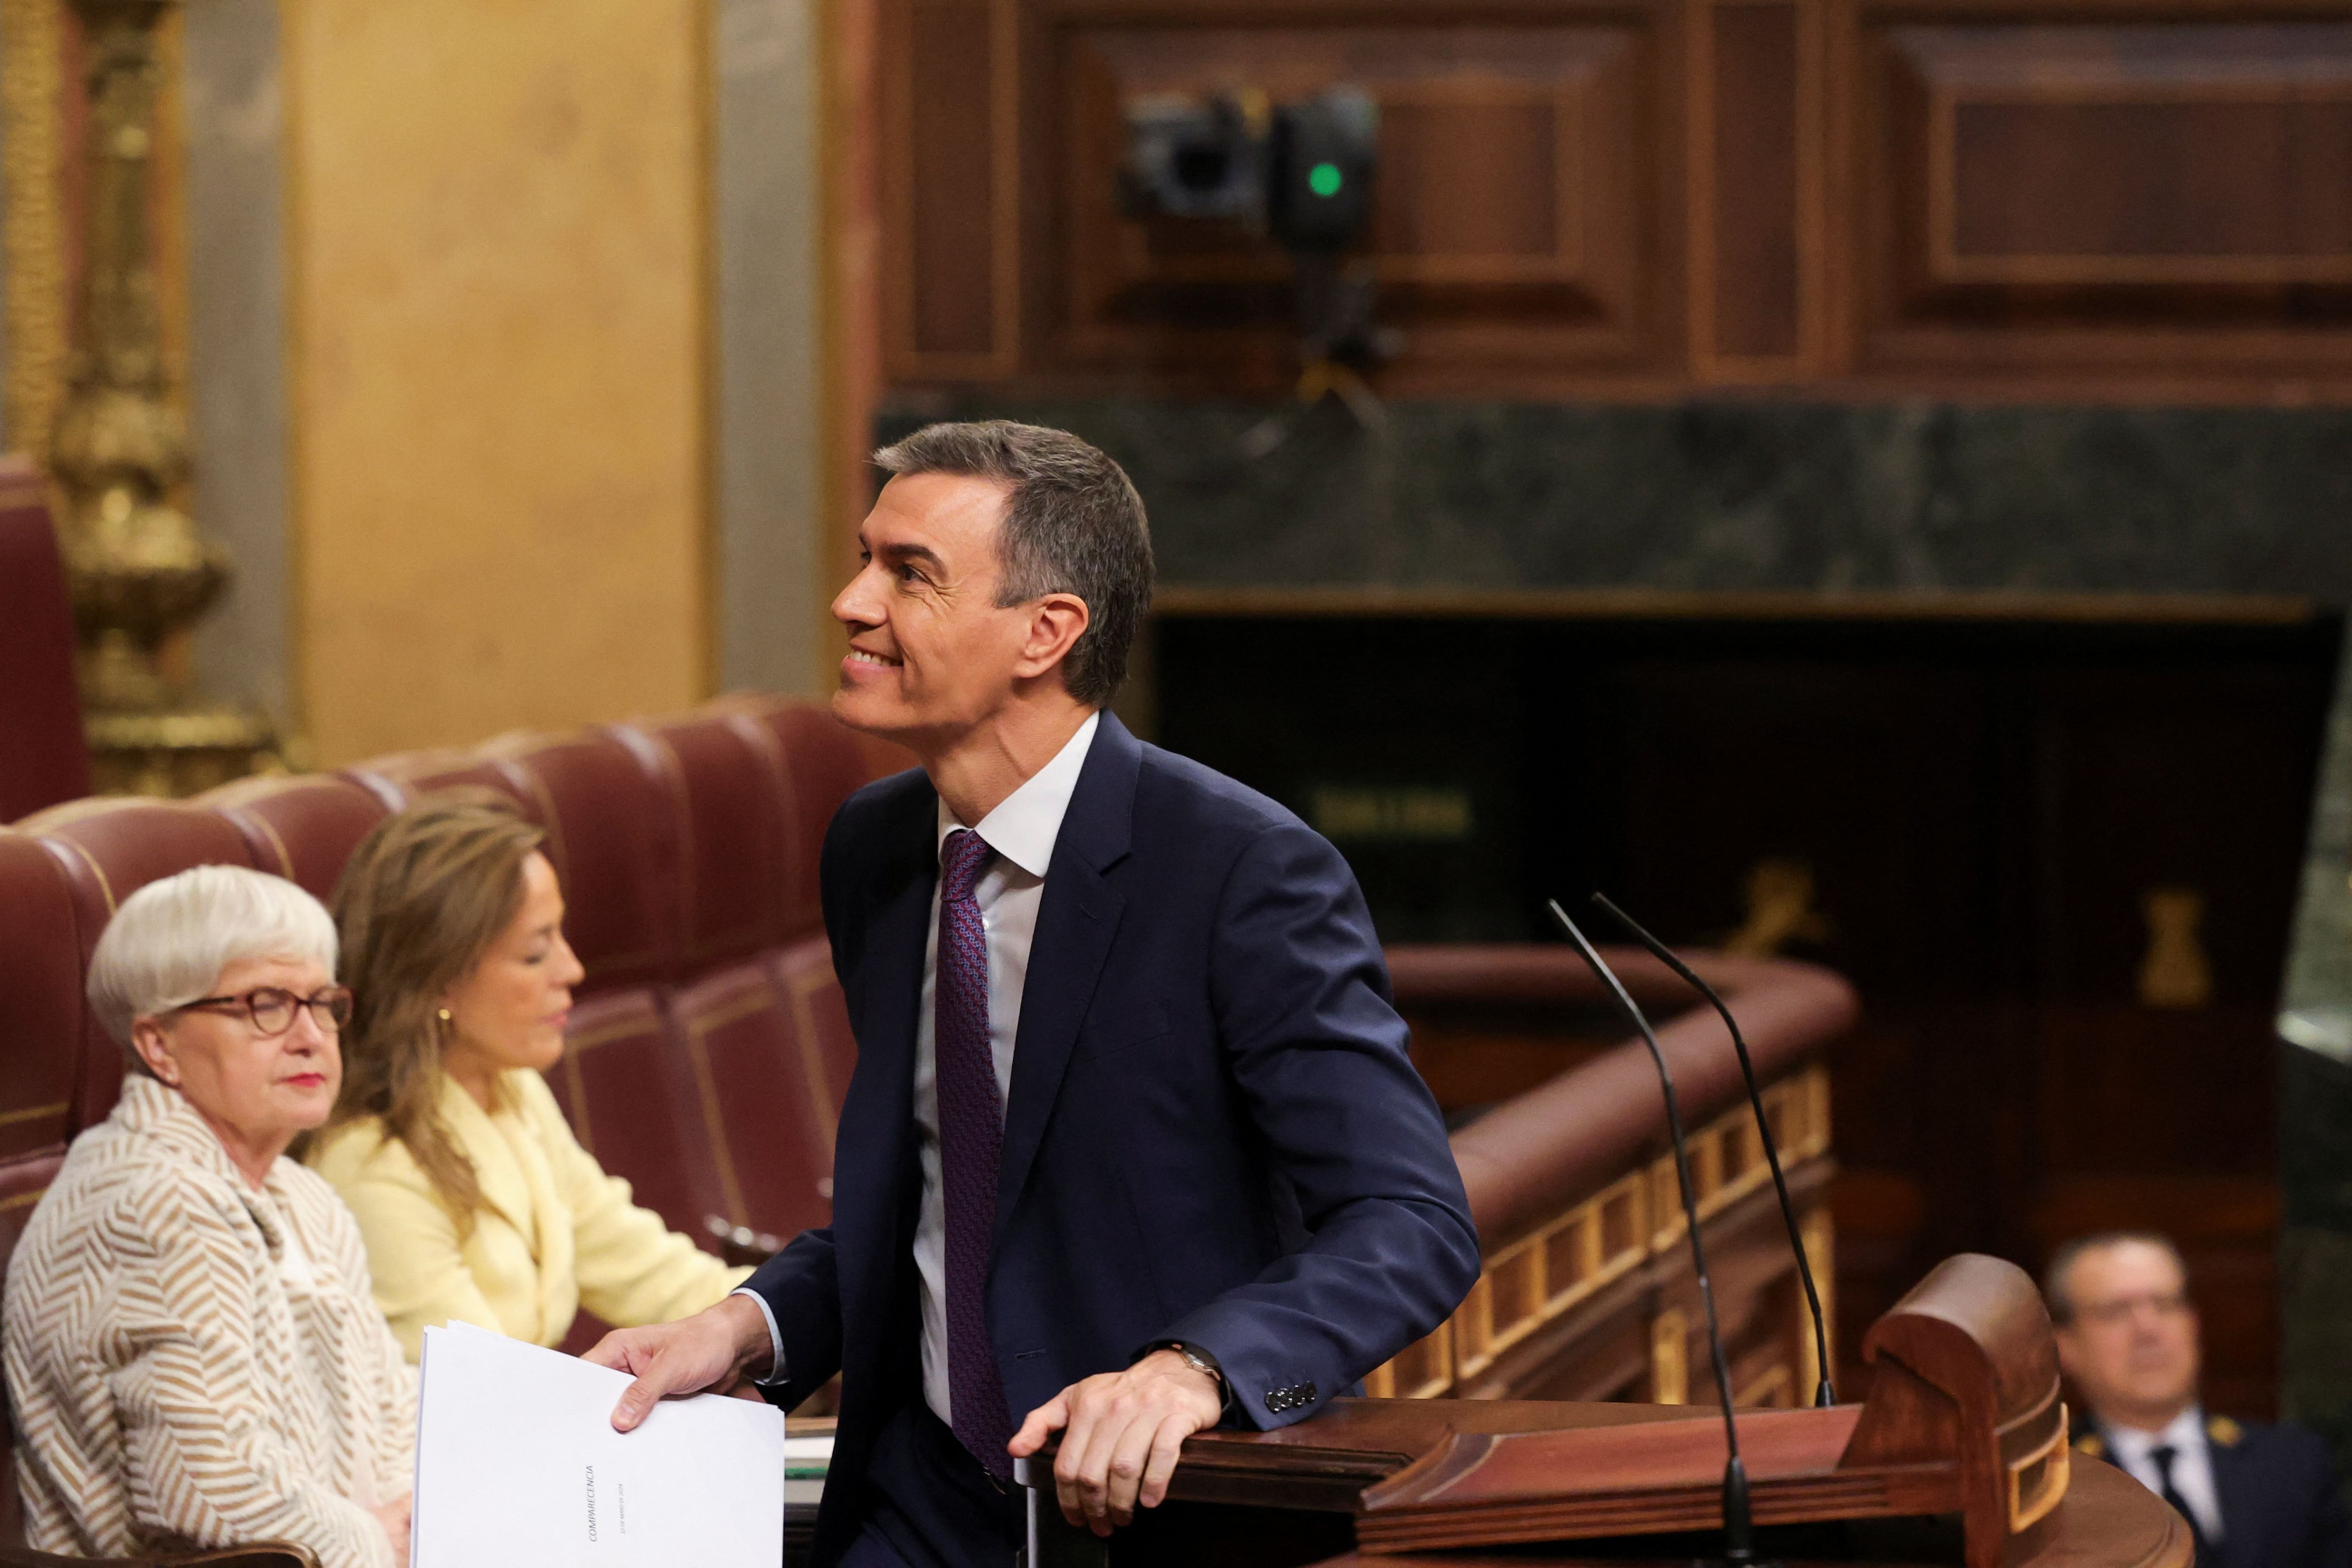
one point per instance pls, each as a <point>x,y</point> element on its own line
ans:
<point>2184,1433</point>
<point>1025,823</point>
<point>161,1114</point>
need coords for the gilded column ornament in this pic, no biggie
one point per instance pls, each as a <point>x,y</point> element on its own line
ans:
<point>32,228</point>
<point>143,572</point>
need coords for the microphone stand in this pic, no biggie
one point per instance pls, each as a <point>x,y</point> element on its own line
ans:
<point>1823,1393</point>
<point>1738,1522</point>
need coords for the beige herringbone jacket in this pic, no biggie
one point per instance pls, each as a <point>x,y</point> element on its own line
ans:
<point>192,1362</point>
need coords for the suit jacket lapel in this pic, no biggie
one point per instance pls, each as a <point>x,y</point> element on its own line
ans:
<point>1076,919</point>
<point>871,1162</point>
<point>2241,1517</point>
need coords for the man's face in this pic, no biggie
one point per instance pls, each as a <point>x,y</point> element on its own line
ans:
<point>2131,1346</point>
<point>929,651</point>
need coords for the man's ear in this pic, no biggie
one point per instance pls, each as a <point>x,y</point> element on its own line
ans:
<point>154,1049</point>
<point>1055,623</point>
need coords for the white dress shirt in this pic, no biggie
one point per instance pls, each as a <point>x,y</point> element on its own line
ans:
<point>1022,830</point>
<point>2192,1464</point>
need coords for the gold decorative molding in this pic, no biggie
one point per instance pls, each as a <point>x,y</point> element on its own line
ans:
<point>1819,1233</point>
<point>1780,898</point>
<point>1543,1275</point>
<point>1670,1358</point>
<point>141,571</point>
<point>32,223</point>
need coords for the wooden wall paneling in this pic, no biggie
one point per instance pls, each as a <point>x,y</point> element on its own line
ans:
<point>1521,218</point>
<point>2152,189</point>
<point>2157,1082</point>
<point>1757,188</point>
<point>952,174</point>
<point>2146,199</point>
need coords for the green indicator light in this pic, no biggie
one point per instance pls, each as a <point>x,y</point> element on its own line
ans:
<point>1324,179</point>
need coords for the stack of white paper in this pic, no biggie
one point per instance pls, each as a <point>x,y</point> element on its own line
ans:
<point>517,1462</point>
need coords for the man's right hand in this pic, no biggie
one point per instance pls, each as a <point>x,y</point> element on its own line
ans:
<point>707,1351</point>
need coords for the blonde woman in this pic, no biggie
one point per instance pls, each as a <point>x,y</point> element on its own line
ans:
<point>192,1353</point>
<point>478,1202</point>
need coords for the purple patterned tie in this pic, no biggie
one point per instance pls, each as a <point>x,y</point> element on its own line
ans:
<point>972,1141</point>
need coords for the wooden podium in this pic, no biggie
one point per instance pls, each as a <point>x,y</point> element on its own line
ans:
<point>1959,1456</point>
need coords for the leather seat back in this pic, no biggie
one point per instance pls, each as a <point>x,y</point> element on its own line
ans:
<point>43,757</point>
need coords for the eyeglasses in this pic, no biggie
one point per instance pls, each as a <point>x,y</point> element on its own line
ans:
<point>2162,1306</point>
<point>273,1010</point>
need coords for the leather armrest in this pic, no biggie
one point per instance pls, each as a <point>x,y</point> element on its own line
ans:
<point>267,1554</point>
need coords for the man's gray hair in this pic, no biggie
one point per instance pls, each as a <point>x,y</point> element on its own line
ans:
<point>2063,1261</point>
<point>170,940</point>
<point>1073,524</point>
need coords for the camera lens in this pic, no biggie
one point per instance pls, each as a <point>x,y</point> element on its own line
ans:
<point>1203,166</point>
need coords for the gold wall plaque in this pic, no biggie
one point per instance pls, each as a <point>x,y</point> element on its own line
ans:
<point>2176,972</point>
<point>1780,895</point>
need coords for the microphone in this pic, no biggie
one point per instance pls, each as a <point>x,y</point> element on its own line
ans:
<point>1738,1522</point>
<point>1824,1395</point>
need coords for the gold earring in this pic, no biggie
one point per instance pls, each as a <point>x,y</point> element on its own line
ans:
<point>444,1015</point>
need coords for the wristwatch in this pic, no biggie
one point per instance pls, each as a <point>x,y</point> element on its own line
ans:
<point>1199,1360</point>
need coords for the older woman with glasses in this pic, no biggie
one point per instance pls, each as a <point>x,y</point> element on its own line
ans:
<point>191,1338</point>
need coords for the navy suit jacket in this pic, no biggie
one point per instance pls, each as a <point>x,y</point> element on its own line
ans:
<point>1213,1132</point>
<point>2282,1504</point>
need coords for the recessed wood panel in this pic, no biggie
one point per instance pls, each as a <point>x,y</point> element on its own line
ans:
<point>1475,183</point>
<point>1629,198</point>
<point>1754,182</point>
<point>2144,190</point>
<point>2255,190</point>
<point>1515,216</point>
<point>949,113</point>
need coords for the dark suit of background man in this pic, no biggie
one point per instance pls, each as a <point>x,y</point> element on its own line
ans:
<point>2256,1497</point>
<point>1133,1145</point>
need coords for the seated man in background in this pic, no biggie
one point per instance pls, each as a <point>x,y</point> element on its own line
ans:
<point>2256,1497</point>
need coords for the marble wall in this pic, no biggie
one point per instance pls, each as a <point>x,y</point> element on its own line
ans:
<point>1730,496</point>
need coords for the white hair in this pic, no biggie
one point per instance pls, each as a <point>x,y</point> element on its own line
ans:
<point>170,940</point>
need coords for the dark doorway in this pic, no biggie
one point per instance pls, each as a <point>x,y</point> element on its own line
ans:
<point>2058,859</point>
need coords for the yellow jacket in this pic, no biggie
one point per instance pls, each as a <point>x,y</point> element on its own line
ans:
<point>553,1233</point>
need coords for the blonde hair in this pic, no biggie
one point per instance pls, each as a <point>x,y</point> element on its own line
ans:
<point>172,939</point>
<point>421,901</point>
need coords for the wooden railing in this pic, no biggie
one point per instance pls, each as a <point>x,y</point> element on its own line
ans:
<point>1587,1290</point>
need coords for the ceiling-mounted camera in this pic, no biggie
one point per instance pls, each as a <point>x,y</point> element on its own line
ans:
<point>1302,174</point>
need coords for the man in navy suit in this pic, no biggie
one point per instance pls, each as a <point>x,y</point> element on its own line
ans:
<point>1133,1147</point>
<point>2253,1496</point>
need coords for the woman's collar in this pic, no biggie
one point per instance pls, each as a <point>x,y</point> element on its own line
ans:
<point>163,1116</point>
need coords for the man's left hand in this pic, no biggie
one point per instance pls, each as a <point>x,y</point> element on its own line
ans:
<point>1123,1432</point>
